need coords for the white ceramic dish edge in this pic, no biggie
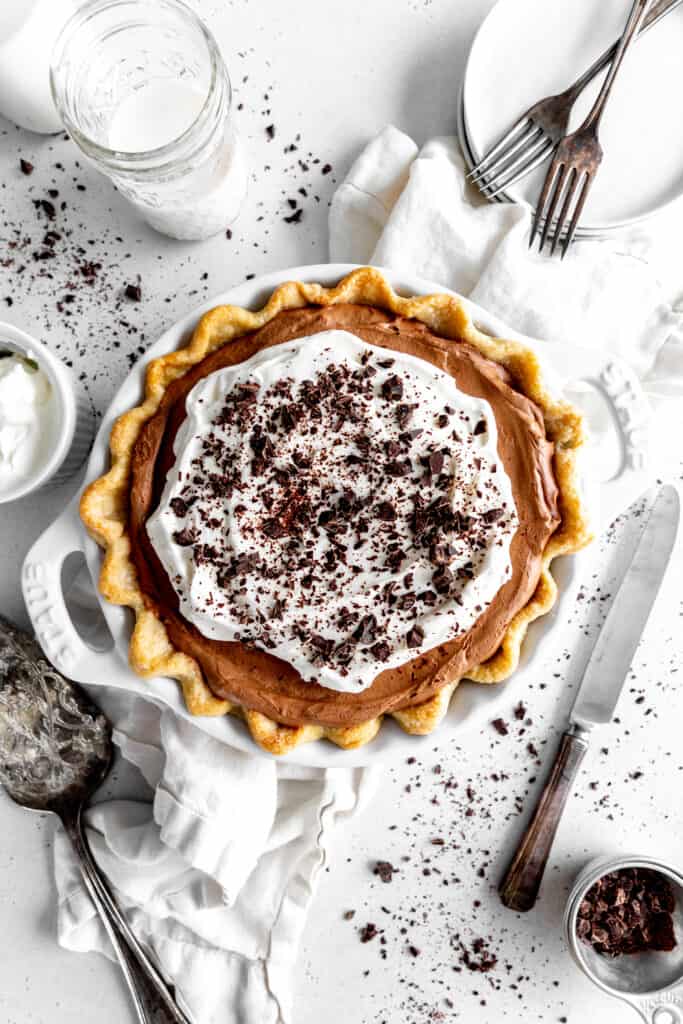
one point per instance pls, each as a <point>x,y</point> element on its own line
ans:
<point>473,704</point>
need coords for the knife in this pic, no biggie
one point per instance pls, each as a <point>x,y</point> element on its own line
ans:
<point>602,682</point>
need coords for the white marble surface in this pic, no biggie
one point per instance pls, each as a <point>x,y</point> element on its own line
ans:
<point>332,73</point>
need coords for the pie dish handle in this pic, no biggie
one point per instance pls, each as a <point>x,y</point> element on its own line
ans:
<point>621,479</point>
<point>41,584</point>
<point>611,395</point>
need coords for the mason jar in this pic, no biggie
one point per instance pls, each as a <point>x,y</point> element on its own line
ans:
<point>142,89</point>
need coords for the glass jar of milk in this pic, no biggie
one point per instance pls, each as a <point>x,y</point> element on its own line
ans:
<point>143,90</point>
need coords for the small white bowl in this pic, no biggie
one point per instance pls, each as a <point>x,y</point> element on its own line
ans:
<point>652,982</point>
<point>74,422</point>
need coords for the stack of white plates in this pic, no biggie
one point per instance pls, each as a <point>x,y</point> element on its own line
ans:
<point>528,49</point>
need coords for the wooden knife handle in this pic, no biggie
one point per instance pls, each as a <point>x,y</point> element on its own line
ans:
<point>522,880</point>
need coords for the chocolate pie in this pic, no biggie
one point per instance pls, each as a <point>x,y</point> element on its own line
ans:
<point>336,508</point>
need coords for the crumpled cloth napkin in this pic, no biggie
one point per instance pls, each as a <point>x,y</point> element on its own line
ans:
<point>412,210</point>
<point>217,872</point>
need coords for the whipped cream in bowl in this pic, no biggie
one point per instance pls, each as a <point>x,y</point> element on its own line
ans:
<point>27,417</point>
<point>45,424</point>
<point>339,505</point>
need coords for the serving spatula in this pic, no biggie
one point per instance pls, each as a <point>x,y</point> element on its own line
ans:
<point>55,750</point>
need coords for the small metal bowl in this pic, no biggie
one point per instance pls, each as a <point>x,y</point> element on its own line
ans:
<point>652,982</point>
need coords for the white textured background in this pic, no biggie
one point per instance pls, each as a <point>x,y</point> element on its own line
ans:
<point>327,76</point>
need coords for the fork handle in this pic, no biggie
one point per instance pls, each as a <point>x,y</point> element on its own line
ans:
<point>635,19</point>
<point>654,15</point>
<point>153,1002</point>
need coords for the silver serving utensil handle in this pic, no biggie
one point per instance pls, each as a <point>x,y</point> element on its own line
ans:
<point>55,750</point>
<point>153,1001</point>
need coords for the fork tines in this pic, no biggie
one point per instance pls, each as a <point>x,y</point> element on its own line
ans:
<point>568,184</point>
<point>516,154</point>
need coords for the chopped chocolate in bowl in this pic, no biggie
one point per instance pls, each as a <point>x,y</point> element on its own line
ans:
<point>628,911</point>
<point>623,925</point>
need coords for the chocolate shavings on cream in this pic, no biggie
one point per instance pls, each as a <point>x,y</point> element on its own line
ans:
<point>337,508</point>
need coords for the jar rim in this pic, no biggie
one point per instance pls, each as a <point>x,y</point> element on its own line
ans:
<point>160,158</point>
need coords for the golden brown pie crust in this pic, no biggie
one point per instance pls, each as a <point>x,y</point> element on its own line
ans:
<point>105,504</point>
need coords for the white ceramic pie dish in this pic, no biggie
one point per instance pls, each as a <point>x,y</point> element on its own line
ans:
<point>608,382</point>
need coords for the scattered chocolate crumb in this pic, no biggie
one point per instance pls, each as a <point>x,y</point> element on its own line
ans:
<point>185,538</point>
<point>26,166</point>
<point>368,932</point>
<point>479,959</point>
<point>392,388</point>
<point>349,915</point>
<point>133,292</point>
<point>385,870</point>
<point>270,131</point>
<point>415,636</point>
<point>178,506</point>
<point>500,726</point>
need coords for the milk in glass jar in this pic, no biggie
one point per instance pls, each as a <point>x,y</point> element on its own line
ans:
<point>143,90</point>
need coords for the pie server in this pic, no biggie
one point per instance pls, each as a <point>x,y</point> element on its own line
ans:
<point>602,682</point>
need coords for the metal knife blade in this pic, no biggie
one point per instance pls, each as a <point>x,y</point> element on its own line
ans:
<point>620,635</point>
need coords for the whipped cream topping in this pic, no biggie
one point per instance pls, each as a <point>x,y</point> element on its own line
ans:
<point>26,410</point>
<point>339,505</point>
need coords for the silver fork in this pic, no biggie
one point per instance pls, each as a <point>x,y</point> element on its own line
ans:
<point>578,156</point>
<point>534,136</point>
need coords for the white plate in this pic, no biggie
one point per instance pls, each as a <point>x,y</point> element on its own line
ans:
<point>472,704</point>
<point>527,49</point>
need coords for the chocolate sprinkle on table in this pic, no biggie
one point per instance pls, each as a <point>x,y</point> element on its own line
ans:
<point>385,870</point>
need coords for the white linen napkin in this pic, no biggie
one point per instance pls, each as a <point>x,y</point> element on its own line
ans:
<point>413,211</point>
<point>216,873</point>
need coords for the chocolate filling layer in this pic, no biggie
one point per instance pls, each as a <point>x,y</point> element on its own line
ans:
<point>255,678</point>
